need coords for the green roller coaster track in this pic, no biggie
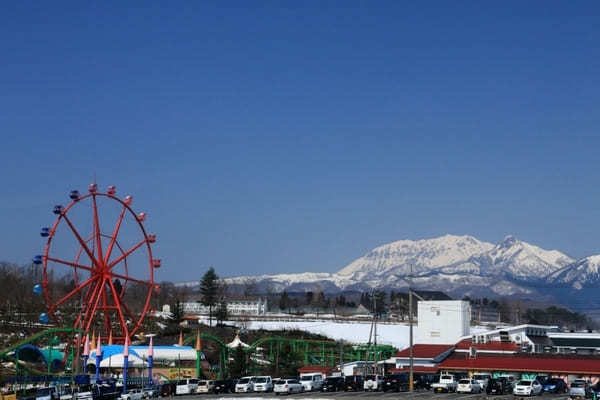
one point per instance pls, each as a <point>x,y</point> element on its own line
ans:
<point>5,354</point>
<point>312,352</point>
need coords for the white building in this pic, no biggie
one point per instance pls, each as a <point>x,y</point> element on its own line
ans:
<point>443,321</point>
<point>243,306</point>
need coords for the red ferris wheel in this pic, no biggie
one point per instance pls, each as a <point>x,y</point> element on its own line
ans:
<point>95,279</point>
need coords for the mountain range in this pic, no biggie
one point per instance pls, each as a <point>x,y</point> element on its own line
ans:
<point>457,265</point>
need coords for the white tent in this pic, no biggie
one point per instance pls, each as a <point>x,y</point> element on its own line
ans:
<point>236,342</point>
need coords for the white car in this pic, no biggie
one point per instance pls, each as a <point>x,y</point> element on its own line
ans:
<point>482,379</point>
<point>133,394</point>
<point>263,384</point>
<point>287,386</point>
<point>206,386</point>
<point>527,388</point>
<point>186,386</point>
<point>312,381</point>
<point>245,385</point>
<point>373,382</point>
<point>468,386</point>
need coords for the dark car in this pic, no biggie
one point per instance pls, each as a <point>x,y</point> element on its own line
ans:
<point>554,385</point>
<point>168,389</point>
<point>423,381</point>
<point>354,383</point>
<point>500,385</point>
<point>225,386</point>
<point>396,382</point>
<point>333,384</point>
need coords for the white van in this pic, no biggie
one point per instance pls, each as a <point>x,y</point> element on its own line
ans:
<point>312,381</point>
<point>205,386</point>
<point>245,384</point>
<point>263,384</point>
<point>186,386</point>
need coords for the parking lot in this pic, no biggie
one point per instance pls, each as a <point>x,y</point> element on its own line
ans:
<point>369,395</point>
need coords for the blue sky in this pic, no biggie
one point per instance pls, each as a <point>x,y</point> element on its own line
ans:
<point>285,137</point>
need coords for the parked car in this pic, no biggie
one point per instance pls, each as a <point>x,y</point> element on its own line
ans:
<point>354,383</point>
<point>263,384</point>
<point>205,386</point>
<point>482,379</point>
<point>168,389</point>
<point>445,383</point>
<point>133,394</point>
<point>186,386</point>
<point>84,392</point>
<point>150,392</point>
<point>423,381</point>
<point>527,388</point>
<point>333,384</point>
<point>224,386</point>
<point>287,386</point>
<point>373,382</point>
<point>580,389</point>
<point>500,385</point>
<point>555,385</point>
<point>468,386</point>
<point>245,385</point>
<point>47,393</point>
<point>395,382</point>
<point>312,381</point>
<point>65,393</point>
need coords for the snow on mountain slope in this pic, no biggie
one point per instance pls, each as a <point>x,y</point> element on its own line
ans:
<point>427,254</point>
<point>580,274</point>
<point>515,259</point>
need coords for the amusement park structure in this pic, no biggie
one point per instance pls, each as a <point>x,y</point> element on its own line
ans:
<point>102,268</point>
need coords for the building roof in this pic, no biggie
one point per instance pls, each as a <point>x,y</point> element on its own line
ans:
<point>307,369</point>
<point>417,369</point>
<point>493,346</point>
<point>528,363</point>
<point>425,351</point>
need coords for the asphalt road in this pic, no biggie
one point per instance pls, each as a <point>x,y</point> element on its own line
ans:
<point>417,395</point>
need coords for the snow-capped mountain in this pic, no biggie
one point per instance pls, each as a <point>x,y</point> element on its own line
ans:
<point>515,260</point>
<point>581,274</point>
<point>396,258</point>
<point>458,265</point>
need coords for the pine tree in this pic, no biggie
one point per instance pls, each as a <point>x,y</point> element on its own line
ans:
<point>208,290</point>
<point>177,312</point>
<point>284,301</point>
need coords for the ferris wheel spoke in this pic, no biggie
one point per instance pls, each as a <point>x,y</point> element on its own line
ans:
<point>113,238</point>
<point>105,312</point>
<point>126,254</point>
<point>118,303</point>
<point>82,243</point>
<point>73,292</point>
<point>72,264</point>
<point>87,297</point>
<point>128,278</point>
<point>128,312</point>
<point>97,229</point>
<point>95,306</point>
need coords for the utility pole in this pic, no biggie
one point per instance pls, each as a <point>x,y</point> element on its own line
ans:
<point>410,322</point>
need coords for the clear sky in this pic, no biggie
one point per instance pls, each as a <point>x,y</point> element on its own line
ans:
<point>285,136</point>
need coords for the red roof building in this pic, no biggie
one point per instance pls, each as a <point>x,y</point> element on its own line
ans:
<point>525,363</point>
<point>466,345</point>
<point>425,351</point>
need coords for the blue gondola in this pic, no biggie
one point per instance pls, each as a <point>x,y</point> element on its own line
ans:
<point>44,318</point>
<point>37,289</point>
<point>74,195</point>
<point>37,259</point>
<point>45,232</point>
<point>58,209</point>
